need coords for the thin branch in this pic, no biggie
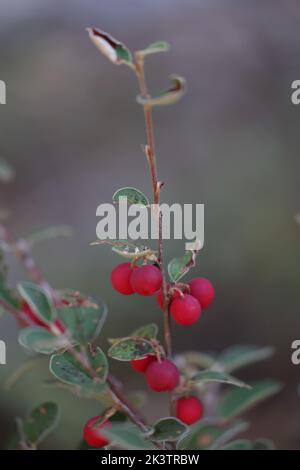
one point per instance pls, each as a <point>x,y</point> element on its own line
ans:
<point>156,188</point>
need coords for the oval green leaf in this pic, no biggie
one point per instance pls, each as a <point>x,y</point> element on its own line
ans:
<point>203,436</point>
<point>178,267</point>
<point>133,196</point>
<point>65,368</point>
<point>168,429</point>
<point>41,421</point>
<point>240,400</point>
<point>84,323</point>
<point>38,300</point>
<point>128,349</point>
<point>220,377</point>
<point>154,48</point>
<point>236,357</point>
<point>40,340</point>
<point>149,331</point>
<point>127,436</point>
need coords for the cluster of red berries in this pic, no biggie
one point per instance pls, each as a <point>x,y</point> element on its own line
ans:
<point>185,306</point>
<point>144,280</point>
<point>162,375</point>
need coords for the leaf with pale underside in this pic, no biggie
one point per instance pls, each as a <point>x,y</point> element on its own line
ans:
<point>40,340</point>
<point>113,49</point>
<point>38,300</point>
<point>170,96</point>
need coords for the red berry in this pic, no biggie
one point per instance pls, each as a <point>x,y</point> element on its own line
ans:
<point>92,434</point>
<point>202,289</point>
<point>189,409</point>
<point>162,376</point>
<point>140,365</point>
<point>146,280</point>
<point>185,310</point>
<point>120,278</point>
<point>159,296</point>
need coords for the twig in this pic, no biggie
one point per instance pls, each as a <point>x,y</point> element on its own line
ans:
<point>156,188</point>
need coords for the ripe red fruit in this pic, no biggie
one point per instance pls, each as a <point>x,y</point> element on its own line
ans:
<point>92,434</point>
<point>159,296</point>
<point>140,365</point>
<point>162,376</point>
<point>203,290</point>
<point>189,409</point>
<point>185,310</point>
<point>146,280</point>
<point>120,278</point>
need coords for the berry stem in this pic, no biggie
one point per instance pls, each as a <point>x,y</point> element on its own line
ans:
<point>156,188</point>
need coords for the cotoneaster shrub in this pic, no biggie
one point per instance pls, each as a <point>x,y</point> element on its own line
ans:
<point>206,400</point>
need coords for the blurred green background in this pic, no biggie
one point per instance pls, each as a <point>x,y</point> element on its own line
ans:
<point>73,132</point>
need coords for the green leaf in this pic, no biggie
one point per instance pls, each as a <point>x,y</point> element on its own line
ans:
<point>65,368</point>
<point>38,300</point>
<point>240,444</point>
<point>41,422</point>
<point>7,173</point>
<point>133,195</point>
<point>221,377</point>
<point>127,436</point>
<point>203,436</point>
<point>84,323</point>
<point>113,49</point>
<point>127,349</point>
<point>237,357</point>
<point>178,267</point>
<point>168,429</point>
<point>154,48</point>
<point>199,360</point>
<point>263,444</point>
<point>149,331</point>
<point>238,401</point>
<point>40,340</point>
<point>127,249</point>
<point>170,96</point>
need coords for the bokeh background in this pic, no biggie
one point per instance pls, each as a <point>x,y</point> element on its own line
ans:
<point>73,132</point>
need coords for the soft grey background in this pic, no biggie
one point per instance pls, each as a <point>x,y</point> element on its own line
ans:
<point>73,132</point>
